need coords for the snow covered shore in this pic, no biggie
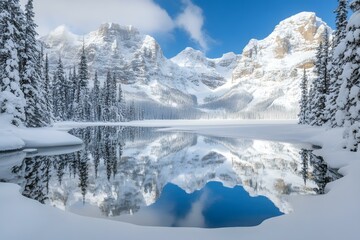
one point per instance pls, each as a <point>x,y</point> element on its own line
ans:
<point>14,138</point>
<point>334,215</point>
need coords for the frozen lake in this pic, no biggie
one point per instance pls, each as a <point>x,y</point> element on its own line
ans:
<point>182,179</point>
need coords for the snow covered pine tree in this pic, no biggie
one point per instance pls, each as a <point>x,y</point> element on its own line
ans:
<point>304,102</point>
<point>336,64</point>
<point>12,101</point>
<point>31,77</point>
<point>351,79</point>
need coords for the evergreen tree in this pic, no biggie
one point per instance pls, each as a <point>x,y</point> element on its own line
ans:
<point>31,79</point>
<point>12,101</point>
<point>325,59</point>
<point>114,160</point>
<point>18,21</point>
<point>321,84</point>
<point>18,28</point>
<point>87,113</point>
<point>46,116</point>
<point>132,112</point>
<point>83,75</point>
<point>60,170</point>
<point>109,97</point>
<point>311,104</point>
<point>320,176</point>
<point>315,100</point>
<point>46,172</point>
<point>305,164</point>
<point>73,93</point>
<point>48,89</point>
<point>97,149</point>
<point>120,105</point>
<point>336,64</point>
<point>35,183</point>
<point>79,109</point>
<point>120,97</point>
<point>69,96</point>
<point>110,156</point>
<point>113,99</point>
<point>74,163</point>
<point>82,100</point>
<point>96,99</point>
<point>350,88</point>
<point>59,92</point>
<point>304,102</point>
<point>107,104</point>
<point>83,173</point>
<point>341,22</point>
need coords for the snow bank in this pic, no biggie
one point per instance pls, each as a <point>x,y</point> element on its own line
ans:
<point>8,141</point>
<point>14,138</point>
<point>335,215</point>
<point>46,137</point>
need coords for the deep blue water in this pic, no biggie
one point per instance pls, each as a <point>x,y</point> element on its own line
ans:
<point>213,206</point>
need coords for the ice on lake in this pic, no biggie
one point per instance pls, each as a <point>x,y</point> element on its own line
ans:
<point>147,177</point>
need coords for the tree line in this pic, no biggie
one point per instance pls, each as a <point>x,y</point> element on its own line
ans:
<point>333,98</point>
<point>72,98</point>
<point>30,96</point>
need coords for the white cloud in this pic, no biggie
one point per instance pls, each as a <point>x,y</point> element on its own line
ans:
<point>192,21</point>
<point>82,16</point>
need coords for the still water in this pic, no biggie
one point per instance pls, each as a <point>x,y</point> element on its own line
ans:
<point>148,177</point>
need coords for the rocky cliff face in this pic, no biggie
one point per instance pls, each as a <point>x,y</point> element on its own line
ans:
<point>264,78</point>
<point>271,69</point>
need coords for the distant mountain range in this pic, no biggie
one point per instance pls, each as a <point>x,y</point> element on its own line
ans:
<point>261,82</point>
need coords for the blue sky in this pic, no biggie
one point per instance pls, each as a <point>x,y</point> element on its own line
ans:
<point>214,26</point>
<point>230,24</point>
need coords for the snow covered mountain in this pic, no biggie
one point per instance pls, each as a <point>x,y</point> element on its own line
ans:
<point>264,78</point>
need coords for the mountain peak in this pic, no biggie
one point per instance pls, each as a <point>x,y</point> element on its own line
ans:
<point>117,27</point>
<point>111,31</point>
<point>188,57</point>
<point>191,52</point>
<point>301,32</point>
<point>300,17</point>
<point>305,23</point>
<point>60,31</point>
<point>60,36</point>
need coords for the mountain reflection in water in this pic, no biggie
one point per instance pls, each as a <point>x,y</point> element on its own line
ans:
<point>147,177</point>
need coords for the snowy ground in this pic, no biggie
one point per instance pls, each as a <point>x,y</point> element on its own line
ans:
<point>14,138</point>
<point>335,215</point>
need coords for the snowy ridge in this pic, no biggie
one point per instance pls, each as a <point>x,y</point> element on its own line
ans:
<point>264,78</point>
